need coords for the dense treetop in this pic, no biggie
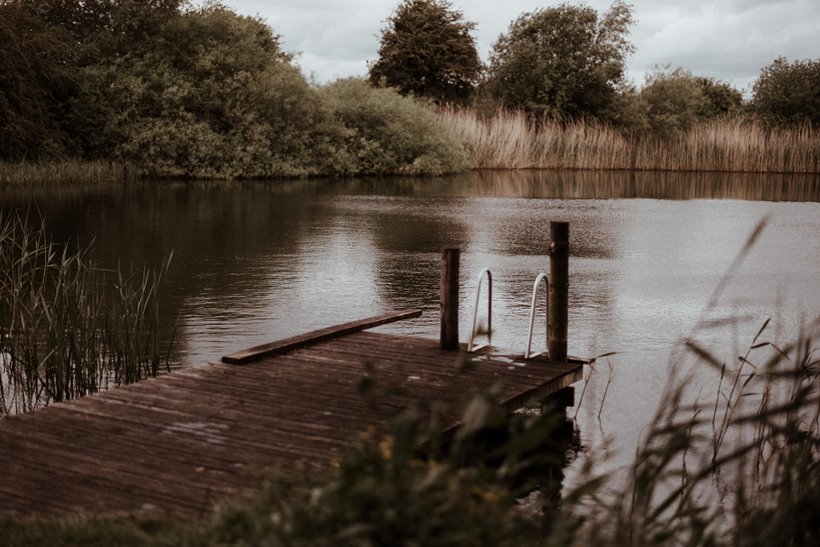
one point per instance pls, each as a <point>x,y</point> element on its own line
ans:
<point>427,49</point>
<point>564,61</point>
<point>789,92</point>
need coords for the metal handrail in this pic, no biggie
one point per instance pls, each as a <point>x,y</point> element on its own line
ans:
<point>542,277</point>
<point>480,278</point>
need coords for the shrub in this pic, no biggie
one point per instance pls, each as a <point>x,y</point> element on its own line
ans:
<point>390,134</point>
<point>788,92</point>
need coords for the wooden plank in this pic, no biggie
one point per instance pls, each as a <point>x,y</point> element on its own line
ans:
<point>296,412</point>
<point>288,344</point>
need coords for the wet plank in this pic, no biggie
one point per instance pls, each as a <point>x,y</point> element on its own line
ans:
<point>282,346</point>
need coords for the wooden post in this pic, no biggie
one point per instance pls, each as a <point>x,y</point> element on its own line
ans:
<point>559,290</point>
<point>449,298</point>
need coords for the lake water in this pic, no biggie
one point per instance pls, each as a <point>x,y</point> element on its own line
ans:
<point>255,262</point>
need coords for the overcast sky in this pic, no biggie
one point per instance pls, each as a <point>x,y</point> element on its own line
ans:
<point>730,40</point>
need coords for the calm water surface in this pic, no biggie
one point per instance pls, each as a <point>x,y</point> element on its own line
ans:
<point>254,262</point>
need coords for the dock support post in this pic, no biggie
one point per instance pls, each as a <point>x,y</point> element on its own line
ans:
<point>559,290</point>
<point>449,298</point>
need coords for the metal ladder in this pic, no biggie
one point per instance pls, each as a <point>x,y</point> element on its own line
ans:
<point>485,272</point>
<point>540,279</point>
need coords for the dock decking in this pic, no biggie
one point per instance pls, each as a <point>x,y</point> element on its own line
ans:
<point>200,436</point>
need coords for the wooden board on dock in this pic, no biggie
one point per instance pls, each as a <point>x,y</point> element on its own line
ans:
<point>201,436</point>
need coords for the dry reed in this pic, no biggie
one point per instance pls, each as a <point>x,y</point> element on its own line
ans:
<point>508,140</point>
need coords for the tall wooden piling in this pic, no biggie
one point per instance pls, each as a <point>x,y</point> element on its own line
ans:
<point>559,290</point>
<point>449,298</point>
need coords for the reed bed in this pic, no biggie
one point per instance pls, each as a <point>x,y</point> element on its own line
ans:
<point>67,327</point>
<point>65,172</point>
<point>509,140</point>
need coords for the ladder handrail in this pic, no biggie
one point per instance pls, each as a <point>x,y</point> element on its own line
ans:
<point>479,280</point>
<point>541,277</point>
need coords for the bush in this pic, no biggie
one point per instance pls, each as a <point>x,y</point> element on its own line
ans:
<point>675,101</point>
<point>788,92</point>
<point>390,134</point>
<point>215,98</point>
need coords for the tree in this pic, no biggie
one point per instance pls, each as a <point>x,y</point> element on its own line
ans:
<point>788,92</point>
<point>675,100</point>
<point>214,97</point>
<point>427,50</point>
<point>563,62</point>
<point>37,80</point>
<point>113,26</point>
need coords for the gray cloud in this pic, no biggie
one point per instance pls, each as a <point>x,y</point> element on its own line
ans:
<point>730,40</point>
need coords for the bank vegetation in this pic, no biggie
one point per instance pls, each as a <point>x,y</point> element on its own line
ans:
<point>512,140</point>
<point>168,88</point>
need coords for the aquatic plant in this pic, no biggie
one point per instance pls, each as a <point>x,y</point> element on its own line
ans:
<point>68,327</point>
<point>510,140</point>
<point>50,173</point>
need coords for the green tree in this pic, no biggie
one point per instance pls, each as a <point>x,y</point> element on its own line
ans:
<point>85,39</point>
<point>675,100</point>
<point>427,50</point>
<point>788,92</point>
<point>720,98</point>
<point>215,97</point>
<point>113,26</point>
<point>37,78</point>
<point>563,61</point>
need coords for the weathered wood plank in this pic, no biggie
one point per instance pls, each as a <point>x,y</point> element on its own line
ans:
<point>205,434</point>
<point>282,346</point>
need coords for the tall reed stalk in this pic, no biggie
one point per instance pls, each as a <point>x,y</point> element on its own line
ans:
<point>65,172</point>
<point>68,328</point>
<point>509,140</point>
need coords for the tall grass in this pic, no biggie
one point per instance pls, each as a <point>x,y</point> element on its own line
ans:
<point>67,328</point>
<point>64,172</point>
<point>508,140</point>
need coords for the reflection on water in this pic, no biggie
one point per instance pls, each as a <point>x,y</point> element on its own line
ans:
<point>255,262</point>
<point>540,184</point>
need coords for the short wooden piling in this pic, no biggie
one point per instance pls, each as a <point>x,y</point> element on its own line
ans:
<point>559,290</point>
<point>449,298</point>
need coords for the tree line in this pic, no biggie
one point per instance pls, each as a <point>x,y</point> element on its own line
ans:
<point>184,90</point>
<point>566,63</point>
<point>181,90</point>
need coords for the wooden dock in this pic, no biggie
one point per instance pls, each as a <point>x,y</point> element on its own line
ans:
<point>198,437</point>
